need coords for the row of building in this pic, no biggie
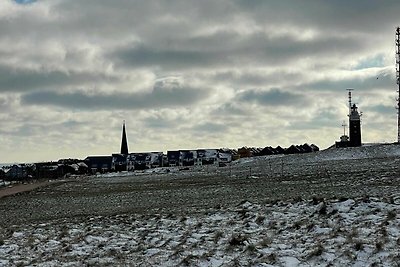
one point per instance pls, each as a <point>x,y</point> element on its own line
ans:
<point>125,161</point>
<point>141,161</point>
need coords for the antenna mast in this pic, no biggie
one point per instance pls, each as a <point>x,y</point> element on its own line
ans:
<point>398,80</point>
<point>350,89</point>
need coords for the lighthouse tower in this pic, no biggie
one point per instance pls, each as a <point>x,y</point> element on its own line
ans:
<point>354,126</point>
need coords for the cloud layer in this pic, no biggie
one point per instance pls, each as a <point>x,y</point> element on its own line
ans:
<point>189,74</point>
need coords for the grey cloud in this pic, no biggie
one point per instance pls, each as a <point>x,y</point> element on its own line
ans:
<point>326,117</point>
<point>273,97</point>
<point>211,127</point>
<point>159,123</point>
<point>237,50</point>
<point>158,98</point>
<point>170,59</point>
<point>375,82</point>
<point>382,109</point>
<point>327,15</point>
<point>240,78</point>
<point>231,109</point>
<point>19,80</point>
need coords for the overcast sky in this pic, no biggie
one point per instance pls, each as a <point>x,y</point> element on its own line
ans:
<point>191,74</point>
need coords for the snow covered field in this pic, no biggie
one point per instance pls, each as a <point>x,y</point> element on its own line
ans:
<point>332,208</point>
<point>347,232</point>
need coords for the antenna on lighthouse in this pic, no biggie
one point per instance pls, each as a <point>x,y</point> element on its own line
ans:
<point>350,89</point>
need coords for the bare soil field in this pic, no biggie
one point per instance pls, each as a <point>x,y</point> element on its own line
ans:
<point>372,171</point>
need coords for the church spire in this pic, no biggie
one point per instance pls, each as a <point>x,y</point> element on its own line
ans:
<point>124,143</point>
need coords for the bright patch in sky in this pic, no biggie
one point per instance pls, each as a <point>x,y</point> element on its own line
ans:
<point>372,62</point>
<point>25,1</point>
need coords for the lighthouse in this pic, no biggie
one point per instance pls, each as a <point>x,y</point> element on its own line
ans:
<point>354,126</point>
<point>354,138</point>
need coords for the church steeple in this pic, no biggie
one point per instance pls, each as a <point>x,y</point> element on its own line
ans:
<point>124,142</point>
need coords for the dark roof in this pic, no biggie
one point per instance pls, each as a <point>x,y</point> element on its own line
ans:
<point>268,151</point>
<point>314,147</point>
<point>279,150</point>
<point>292,150</point>
<point>99,159</point>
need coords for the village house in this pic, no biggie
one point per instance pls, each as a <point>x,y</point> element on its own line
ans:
<point>174,158</point>
<point>19,172</point>
<point>246,152</point>
<point>224,157</point>
<point>119,162</point>
<point>207,156</point>
<point>156,159</point>
<point>188,157</point>
<point>99,163</point>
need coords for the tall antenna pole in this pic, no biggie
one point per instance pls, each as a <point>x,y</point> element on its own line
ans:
<point>349,89</point>
<point>398,80</point>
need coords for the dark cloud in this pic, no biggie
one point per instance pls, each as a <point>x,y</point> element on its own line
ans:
<point>256,49</point>
<point>24,2</point>
<point>256,78</point>
<point>158,98</point>
<point>335,15</point>
<point>19,80</point>
<point>273,97</point>
<point>169,59</point>
<point>381,109</point>
<point>231,109</point>
<point>159,123</point>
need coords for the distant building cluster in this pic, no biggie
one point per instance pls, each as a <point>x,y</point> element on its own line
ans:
<point>125,161</point>
<point>266,151</point>
<point>50,170</point>
<point>142,161</point>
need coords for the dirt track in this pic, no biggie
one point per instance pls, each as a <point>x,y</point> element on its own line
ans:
<point>20,188</point>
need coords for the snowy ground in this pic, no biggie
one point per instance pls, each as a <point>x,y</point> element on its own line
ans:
<point>332,208</point>
<point>357,232</point>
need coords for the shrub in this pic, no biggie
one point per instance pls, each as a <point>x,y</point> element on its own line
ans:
<point>322,210</point>
<point>188,259</point>
<point>391,215</point>
<point>297,225</point>
<point>359,245</point>
<point>260,219</point>
<point>237,240</point>
<point>217,236</point>
<point>265,242</point>
<point>379,246</point>
<point>318,250</point>
<point>251,248</point>
<point>272,258</point>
